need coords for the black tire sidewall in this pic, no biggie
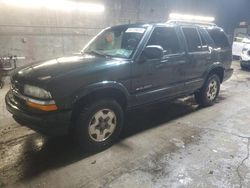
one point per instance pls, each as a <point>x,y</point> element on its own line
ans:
<point>82,123</point>
<point>242,66</point>
<point>245,68</point>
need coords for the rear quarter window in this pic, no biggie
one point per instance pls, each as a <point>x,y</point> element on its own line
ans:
<point>219,37</point>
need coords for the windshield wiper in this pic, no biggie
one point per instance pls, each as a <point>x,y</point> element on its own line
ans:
<point>95,53</point>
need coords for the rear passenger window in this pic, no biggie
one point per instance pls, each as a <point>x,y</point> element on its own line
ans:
<point>219,38</point>
<point>204,42</point>
<point>165,37</point>
<point>193,39</point>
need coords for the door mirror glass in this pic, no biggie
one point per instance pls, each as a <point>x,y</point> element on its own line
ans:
<point>152,52</point>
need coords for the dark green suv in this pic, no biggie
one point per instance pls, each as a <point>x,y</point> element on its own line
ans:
<point>123,67</point>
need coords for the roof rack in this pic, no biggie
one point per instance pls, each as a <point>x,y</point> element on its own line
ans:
<point>191,22</point>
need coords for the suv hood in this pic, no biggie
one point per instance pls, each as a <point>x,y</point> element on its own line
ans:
<point>48,70</point>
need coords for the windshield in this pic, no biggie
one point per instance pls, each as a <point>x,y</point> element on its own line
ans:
<point>242,37</point>
<point>119,41</point>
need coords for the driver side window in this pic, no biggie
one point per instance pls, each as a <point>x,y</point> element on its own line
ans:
<point>165,37</point>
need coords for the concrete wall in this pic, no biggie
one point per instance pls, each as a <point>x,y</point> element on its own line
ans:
<point>39,34</point>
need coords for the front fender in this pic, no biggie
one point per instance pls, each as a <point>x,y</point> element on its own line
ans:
<point>84,91</point>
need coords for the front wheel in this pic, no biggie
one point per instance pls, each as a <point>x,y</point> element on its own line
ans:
<point>207,95</point>
<point>99,125</point>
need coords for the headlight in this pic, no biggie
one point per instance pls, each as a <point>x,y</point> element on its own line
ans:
<point>36,92</point>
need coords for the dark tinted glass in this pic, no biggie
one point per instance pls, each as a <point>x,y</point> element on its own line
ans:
<point>203,41</point>
<point>165,37</point>
<point>119,41</point>
<point>219,38</point>
<point>193,39</point>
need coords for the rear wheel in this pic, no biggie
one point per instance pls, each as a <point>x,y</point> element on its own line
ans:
<point>99,125</point>
<point>209,92</point>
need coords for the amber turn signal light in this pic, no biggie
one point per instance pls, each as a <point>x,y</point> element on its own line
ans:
<point>47,108</point>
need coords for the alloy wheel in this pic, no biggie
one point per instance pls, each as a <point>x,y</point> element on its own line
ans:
<point>212,90</point>
<point>102,125</point>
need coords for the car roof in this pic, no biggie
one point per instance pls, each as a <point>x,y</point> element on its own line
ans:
<point>141,25</point>
<point>204,25</point>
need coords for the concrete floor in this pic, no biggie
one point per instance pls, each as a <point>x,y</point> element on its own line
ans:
<point>165,145</point>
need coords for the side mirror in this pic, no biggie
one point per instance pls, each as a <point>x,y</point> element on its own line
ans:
<point>152,52</point>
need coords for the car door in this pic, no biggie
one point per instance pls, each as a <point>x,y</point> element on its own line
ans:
<point>198,57</point>
<point>156,79</point>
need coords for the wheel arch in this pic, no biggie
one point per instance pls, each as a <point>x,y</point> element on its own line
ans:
<point>218,69</point>
<point>97,91</point>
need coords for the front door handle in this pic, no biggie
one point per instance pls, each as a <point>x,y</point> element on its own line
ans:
<point>163,63</point>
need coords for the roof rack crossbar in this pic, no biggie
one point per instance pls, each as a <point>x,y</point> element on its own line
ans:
<point>191,22</point>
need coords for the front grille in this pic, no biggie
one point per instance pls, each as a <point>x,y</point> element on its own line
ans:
<point>19,101</point>
<point>16,91</point>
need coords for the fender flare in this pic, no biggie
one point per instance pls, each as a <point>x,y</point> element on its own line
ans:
<point>84,91</point>
<point>212,67</point>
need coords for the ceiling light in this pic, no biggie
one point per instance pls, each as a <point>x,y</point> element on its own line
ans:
<point>186,17</point>
<point>63,5</point>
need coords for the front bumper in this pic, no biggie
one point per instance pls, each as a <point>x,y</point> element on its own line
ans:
<point>48,123</point>
<point>227,74</point>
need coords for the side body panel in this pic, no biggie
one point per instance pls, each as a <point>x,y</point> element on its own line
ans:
<point>153,80</point>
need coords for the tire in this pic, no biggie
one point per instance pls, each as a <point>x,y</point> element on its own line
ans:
<point>243,67</point>
<point>207,95</point>
<point>236,57</point>
<point>99,125</point>
<point>1,84</point>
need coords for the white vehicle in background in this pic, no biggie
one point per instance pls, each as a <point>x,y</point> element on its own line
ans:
<point>245,57</point>
<point>240,42</point>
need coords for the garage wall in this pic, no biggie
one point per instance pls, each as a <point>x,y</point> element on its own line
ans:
<point>39,34</point>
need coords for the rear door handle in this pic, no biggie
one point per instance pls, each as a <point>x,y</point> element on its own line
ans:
<point>165,61</point>
<point>160,65</point>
